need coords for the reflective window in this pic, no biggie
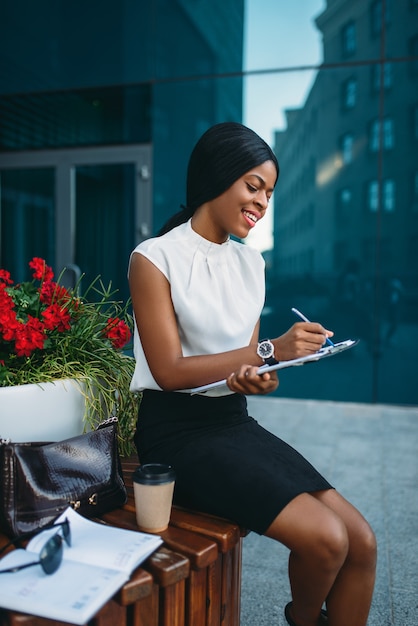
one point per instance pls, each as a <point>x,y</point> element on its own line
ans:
<point>373,196</point>
<point>349,94</point>
<point>349,39</point>
<point>330,85</point>
<point>347,148</point>
<point>388,195</point>
<point>382,76</point>
<point>376,16</point>
<point>386,129</point>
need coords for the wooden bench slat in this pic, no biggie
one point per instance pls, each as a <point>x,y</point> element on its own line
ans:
<point>200,550</point>
<point>167,567</point>
<point>139,586</point>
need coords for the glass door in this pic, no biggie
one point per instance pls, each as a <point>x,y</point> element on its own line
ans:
<point>104,215</point>
<point>83,210</point>
<point>27,219</point>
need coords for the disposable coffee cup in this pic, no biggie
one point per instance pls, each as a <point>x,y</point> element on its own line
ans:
<point>153,490</point>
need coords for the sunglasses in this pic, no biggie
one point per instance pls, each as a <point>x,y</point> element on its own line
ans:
<point>50,556</point>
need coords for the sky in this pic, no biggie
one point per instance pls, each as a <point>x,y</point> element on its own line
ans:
<point>277,34</point>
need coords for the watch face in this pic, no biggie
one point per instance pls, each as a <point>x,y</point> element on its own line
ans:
<point>265,349</point>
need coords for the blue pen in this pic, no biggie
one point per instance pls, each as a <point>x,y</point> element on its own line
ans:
<point>305,319</point>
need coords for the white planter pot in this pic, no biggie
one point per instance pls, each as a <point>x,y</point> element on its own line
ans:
<point>43,412</point>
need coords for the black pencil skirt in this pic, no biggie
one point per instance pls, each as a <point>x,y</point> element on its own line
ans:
<point>225,462</point>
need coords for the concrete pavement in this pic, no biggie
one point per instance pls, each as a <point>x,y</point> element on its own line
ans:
<point>370,454</point>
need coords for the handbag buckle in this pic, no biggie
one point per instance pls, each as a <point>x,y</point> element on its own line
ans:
<point>75,504</point>
<point>93,499</point>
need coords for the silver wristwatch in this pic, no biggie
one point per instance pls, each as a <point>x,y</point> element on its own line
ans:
<point>265,350</point>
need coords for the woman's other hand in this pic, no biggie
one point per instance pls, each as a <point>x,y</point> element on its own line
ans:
<point>248,382</point>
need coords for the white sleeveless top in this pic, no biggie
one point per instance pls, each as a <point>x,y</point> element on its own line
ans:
<point>218,293</point>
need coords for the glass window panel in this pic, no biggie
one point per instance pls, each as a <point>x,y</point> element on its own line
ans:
<point>86,117</point>
<point>376,16</point>
<point>389,195</point>
<point>373,196</point>
<point>388,134</point>
<point>349,41</point>
<point>387,130</point>
<point>319,265</point>
<point>374,141</point>
<point>281,35</point>
<point>349,94</point>
<point>387,75</point>
<point>27,219</point>
<point>104,215</point>
<point>202,102</point>
<point>381,76</point>
<point>197,38</point>
<point>347,148</point>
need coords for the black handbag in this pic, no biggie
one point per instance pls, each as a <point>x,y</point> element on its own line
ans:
<point>39,481</point>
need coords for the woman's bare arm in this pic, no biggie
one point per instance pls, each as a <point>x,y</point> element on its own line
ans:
<point>157,326</point>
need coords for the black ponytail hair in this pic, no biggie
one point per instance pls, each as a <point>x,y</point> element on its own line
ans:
<point>224,153</point>
<point>175,220</point>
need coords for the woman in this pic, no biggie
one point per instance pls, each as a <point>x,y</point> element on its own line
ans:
<point>197,298</point>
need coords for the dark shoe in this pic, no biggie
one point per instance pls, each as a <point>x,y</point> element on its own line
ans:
<point>289,618</point>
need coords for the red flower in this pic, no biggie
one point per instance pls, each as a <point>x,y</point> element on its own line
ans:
<point>36,315</point>
<point>5,276</point>
<point>29,337</point>
<point>51,292</point>
<point>41,271</point>
<point>8,321</point>
<point>55,317</point>
<point>118,332</point>
<point>5,299</point>
<point>8,324</point>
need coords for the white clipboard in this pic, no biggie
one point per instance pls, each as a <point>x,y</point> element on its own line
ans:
<point>324,352</point>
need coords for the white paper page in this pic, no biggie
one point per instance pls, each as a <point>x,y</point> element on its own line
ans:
<point>322,353</point>
<point>74,593</point>
<point>100,544</point>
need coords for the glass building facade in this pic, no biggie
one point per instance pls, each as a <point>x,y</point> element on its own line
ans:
<point>101,103</point>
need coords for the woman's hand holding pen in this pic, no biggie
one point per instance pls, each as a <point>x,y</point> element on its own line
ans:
<point>301,339</point>
<point>248,382</point>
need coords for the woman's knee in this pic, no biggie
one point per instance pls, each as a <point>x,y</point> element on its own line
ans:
<point>312,531</point>
<point>363,547</point>
<point>330,543</point>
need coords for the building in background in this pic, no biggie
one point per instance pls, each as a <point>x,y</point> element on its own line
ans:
<point>346,207</point>
<point>350,195</point>
<point>100,105</point>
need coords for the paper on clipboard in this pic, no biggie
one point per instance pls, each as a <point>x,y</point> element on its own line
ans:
<point>324,352</point>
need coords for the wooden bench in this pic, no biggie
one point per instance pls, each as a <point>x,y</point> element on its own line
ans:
<point>194,579</point>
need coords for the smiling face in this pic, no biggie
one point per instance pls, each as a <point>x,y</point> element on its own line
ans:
<point>239,208</point>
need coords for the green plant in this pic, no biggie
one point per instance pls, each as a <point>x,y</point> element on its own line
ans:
<point>49,332</point>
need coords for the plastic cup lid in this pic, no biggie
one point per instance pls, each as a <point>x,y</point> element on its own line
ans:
<point>153,474</point>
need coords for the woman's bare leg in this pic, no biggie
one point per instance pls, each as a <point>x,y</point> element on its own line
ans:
<point>352,591</point>
<point>332,557</point>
